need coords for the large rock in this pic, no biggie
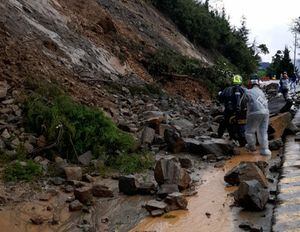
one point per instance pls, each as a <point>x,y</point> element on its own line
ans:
<point>251,195</point>
<point>147,188</point>
<point>278,124</point>
<point>176,201</point>
<point>183,125</point>
<point>166,189</point>
<point>73,173</point>
<point>85,158</point>
<point>174,141</point>
<point>128,185</point>
<point>184,180</point>
<point>218,147</point>
<point>99,190</point>
<point>247,171</point>
<point>75,206</point>
<point>148,135</point>
<point>167,170</point>
<point>275,144</point>
<point>84,194</point>
<point>186,162</point>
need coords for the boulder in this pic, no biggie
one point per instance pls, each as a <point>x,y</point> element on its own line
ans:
<point>75,206</point>
<point>166,189</point>
<point>218,147</point>
<point>167,171</point>
<point>73,173</point>
<point>99,190</point>
<point>251,195</point>
<point>176,201</point>
<point>183,125</point>
<point>148,135</point>
<point>174,141</point>
<point>128,185</point>
<point>186,162</point>
<point>184,180</point>
<point>247,171</point>
<point>85,158</point>
<point>278,124</point>
<point>275,144</point>
<point>84,194</point>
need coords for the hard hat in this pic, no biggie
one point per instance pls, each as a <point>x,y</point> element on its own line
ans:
<point>237,80</point>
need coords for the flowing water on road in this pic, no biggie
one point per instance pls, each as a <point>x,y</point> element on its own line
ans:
<point>209,210</point>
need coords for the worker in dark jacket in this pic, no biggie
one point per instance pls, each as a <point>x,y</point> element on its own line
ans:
<point>235,111</point>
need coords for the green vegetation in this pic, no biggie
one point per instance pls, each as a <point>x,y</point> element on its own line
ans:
<point>166,61</point>
<point>16,171</point>
<point>132,163</point>
<point>281,62</point>
<point>74,127</point>
<point>211,30</point>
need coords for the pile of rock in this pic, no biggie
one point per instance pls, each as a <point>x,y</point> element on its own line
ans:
<point>171,178</point>
<point>253,192</point>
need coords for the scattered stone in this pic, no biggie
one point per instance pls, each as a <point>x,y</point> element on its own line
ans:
<point>87,178</point>
<point>176,201</point>
<point>275,144</point>
<point>57,180</point>
<point>5,134</point>
<point>246,171</point>
<point>68,189</point>
<point>73,173</point>
<point>148,135</point>
<point>70,199</point>
<point>251,195</point>
<point>28,147</point>
<point>186,162</point>
<point>8,101</point>
<point>3,89</point>
<point>45,197</point>
<point>55,219</point>
<point>85,158</point>
<point>84,194</point>
<point>101,191</point>
<point>174,141</point>
<point>147,188</point>
<point>208,214</point>
<point>157,212</point>
<point>41,141</point>
<point>75,206</point>
<point>218,147</point>
<point>37,220</point>
<point>128,185</point>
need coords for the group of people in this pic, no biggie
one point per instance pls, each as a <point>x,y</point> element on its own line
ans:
<point>287,86</point>
<point>246,114</point>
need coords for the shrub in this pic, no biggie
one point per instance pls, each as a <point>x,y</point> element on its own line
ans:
<point>17,172</point>
<point>133,163</point>
<point>75,127</point>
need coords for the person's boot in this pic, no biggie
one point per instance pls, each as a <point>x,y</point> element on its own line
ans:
<point>265,152</point>
<point>251,148</point>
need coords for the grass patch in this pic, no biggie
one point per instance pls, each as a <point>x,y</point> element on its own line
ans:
<point>133,163</point>
<point>76,128</point>
<point>17,172</point>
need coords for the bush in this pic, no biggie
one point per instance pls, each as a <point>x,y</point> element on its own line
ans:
<point>75,127</point>
<point>17,172</point>
<point>133,163</point>
<point>216,77</point>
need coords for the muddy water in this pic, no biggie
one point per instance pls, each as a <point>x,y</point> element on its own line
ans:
<point>209,210</point>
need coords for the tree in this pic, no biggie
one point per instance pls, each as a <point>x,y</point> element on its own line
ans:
<point>281,62</point>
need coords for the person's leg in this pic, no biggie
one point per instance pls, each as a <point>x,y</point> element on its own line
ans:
<point>262,135</point>
<point>251,128</point>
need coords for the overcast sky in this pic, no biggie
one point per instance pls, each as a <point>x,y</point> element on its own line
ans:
<point>268,20</point>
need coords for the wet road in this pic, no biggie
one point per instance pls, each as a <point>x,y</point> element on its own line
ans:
<point>213,198</point>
